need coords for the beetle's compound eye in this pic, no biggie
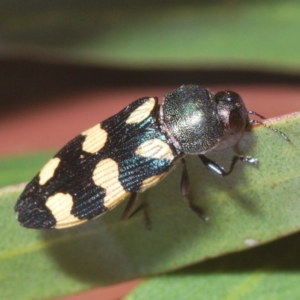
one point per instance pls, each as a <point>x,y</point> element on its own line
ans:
<point>228,96</point>
<point>232,110</point>
<point>236,122</point>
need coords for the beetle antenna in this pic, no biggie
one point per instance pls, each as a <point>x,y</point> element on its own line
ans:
<point>255,122</point>
<point>251,112</point>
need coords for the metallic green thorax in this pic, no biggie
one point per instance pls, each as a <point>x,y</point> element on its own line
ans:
<point>197,121</point>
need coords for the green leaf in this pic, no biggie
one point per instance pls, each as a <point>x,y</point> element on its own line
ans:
<point>21,168</point>
<point>174,34</point>
<point>267,272</point>
<point>254,205</point>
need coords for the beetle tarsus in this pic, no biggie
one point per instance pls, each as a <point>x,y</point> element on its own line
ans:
<point>198,210</point>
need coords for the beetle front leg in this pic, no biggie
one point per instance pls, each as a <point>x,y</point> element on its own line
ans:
<point>219,170</point>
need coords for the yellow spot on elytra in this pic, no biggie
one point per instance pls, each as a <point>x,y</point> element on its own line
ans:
<point>155,148</point>
<point>95,139</point>
<point>106,175</point>
<point>60,206</point>
<point>48,170</point>
<point>142,112</point>
<point>151,181</point>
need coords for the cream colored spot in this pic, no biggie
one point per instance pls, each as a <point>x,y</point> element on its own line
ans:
<point>95,139</point>
<point>48,170</point>
<point>155,148</point>
<point>151,181</point>
<point>106,175</point>
<point>60,206</point>
<point>142,112</point>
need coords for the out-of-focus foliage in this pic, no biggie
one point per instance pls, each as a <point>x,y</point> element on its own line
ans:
<point>152,34</point>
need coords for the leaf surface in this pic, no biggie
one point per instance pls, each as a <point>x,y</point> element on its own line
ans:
<point>252,206</point>
<point>267,272</point>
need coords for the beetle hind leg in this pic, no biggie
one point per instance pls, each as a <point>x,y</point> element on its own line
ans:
<point>129,212</point>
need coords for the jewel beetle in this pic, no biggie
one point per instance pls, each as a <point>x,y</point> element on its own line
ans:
<point>132,151</point>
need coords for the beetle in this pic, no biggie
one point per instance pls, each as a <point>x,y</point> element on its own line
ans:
<point>132,151</point>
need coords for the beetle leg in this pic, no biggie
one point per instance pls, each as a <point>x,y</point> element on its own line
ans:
<point>129,207</point>
<point>145,208</point>
<point>184,186</point>
<point>128,212</point>
<point>219,170</point>
<point>185,181</point>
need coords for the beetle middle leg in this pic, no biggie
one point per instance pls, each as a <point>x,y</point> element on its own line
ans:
<point>184,186</point>
<point>215,168</point>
